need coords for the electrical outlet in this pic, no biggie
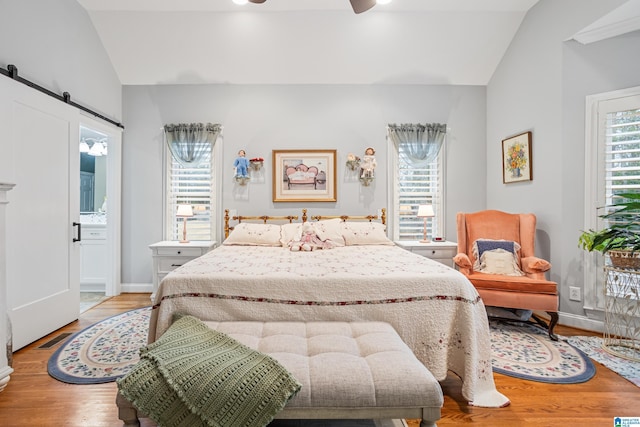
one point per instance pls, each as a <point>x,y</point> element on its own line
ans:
<point>574,293</point>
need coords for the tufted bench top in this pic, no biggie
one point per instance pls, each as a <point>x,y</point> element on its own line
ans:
<point>342,364</point>
<point>354,370</point>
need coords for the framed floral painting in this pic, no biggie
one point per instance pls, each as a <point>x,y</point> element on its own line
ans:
<point>516,158</point>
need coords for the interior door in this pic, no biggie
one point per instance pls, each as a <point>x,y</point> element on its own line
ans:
<point>42,158</point>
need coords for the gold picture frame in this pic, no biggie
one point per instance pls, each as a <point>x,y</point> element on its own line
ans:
<point>516,158</point>
<point>304,176</point>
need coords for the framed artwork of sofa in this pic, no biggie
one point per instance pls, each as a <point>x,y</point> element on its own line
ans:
<point>304,176</point>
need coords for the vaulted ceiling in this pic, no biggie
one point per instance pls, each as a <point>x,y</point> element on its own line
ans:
<point>456,42</point>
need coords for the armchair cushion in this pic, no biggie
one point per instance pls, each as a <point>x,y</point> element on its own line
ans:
<point>523,284</point>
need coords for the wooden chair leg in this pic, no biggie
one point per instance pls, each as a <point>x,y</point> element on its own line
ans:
<point>552,324</point>
<point>548,326</point>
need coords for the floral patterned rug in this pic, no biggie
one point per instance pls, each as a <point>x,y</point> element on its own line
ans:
<point>102,352</point>
<point>526,351</point>
<point>592,346</point>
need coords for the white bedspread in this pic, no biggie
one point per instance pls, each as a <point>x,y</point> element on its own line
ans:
<point>434,308</point>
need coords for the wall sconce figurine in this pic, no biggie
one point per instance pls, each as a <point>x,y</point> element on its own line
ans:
<point>241,165</point>
<point>368,165</point>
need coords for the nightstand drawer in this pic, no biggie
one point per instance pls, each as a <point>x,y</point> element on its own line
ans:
<point>188,252</point>
<point>441,251</point>
<point>167,264</point>
<point>435,253</point>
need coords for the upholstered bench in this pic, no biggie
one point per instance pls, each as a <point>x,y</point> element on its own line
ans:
<point>348,370</point>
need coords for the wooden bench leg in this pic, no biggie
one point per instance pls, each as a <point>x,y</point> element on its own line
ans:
<point>127,412</point>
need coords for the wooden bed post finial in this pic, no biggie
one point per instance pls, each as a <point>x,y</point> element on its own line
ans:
<point>226,223</point>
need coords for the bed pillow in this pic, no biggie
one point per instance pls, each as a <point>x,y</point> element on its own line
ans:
<point>330,229</point>
<point>365,233</point>
<point>250,234</point>
<point>499,261</point>
<point>290,233</point>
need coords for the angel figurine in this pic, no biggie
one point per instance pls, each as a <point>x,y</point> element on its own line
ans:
<point>368,163</point>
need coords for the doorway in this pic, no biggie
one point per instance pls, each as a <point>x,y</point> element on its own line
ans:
<point>100,153</point>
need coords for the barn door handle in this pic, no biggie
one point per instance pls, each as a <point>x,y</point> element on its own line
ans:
<point>79,238</point>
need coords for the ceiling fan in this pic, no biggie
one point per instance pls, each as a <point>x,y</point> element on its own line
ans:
<point>358,6</point>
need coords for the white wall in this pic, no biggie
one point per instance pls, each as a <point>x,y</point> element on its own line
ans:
<point>259,118</point>
<point>541,86</point>
<point>54,44</point>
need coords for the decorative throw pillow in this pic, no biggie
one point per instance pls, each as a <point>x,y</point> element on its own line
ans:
<point>499,261</point>
<point>290,233</point>
<point>365,233</point>
<point>250,234</point>
<point>482,245</point>
<point>330,229</point>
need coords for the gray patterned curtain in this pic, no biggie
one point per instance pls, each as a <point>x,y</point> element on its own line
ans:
<point>421,142</point>
<point>188,142</point>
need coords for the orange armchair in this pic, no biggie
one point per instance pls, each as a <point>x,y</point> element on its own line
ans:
<point>531,291</point>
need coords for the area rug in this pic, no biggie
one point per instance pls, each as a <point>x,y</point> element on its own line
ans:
<point>592,347</point>
<point>102,352</point>
<point>524,351</point>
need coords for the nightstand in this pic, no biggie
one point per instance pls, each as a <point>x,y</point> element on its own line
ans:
<point>169,255</point>
<point>442,252</point>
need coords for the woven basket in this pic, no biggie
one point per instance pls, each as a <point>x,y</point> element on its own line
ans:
<point>625,259</point>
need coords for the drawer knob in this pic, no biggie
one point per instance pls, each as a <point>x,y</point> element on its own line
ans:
<point>179,252</point>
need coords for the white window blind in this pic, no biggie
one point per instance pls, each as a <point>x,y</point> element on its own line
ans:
<point>622,155</point>
<point>622,169</point>
<point>417,186</point>
<point>191,186</point>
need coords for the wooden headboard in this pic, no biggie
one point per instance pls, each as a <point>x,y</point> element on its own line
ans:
<point>263,218</point>
<point>383,217</point>
<point>291,218</point>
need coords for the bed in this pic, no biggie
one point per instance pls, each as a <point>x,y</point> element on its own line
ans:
<point>255,276</point>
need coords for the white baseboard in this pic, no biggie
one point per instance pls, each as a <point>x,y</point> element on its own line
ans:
<point>136,288</point>
<point>581,322</point>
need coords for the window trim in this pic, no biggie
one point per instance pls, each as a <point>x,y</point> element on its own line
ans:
<point>593,261</point>
<point>393,226</point>
<point>216,177</point>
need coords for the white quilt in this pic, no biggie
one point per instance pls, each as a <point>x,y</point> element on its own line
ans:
<point>434,308</point>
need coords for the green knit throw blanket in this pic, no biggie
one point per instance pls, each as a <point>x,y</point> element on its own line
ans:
<point>195,376</point>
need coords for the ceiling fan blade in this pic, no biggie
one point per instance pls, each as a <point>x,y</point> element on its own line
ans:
<point>360,6</point>
<point>257,1</point>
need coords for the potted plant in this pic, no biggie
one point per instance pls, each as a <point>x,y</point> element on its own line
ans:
<point>620,240</point>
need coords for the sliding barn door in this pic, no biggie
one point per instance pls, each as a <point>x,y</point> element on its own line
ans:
<point>40,155</point>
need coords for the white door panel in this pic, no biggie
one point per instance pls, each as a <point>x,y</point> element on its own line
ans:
<point>42,261</point>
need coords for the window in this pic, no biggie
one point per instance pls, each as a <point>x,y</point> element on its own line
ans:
<point>613,151</point>
<point>415,186</point>
<point>192,186</point>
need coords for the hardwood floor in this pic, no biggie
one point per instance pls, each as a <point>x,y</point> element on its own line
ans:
<point>33,398</point>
